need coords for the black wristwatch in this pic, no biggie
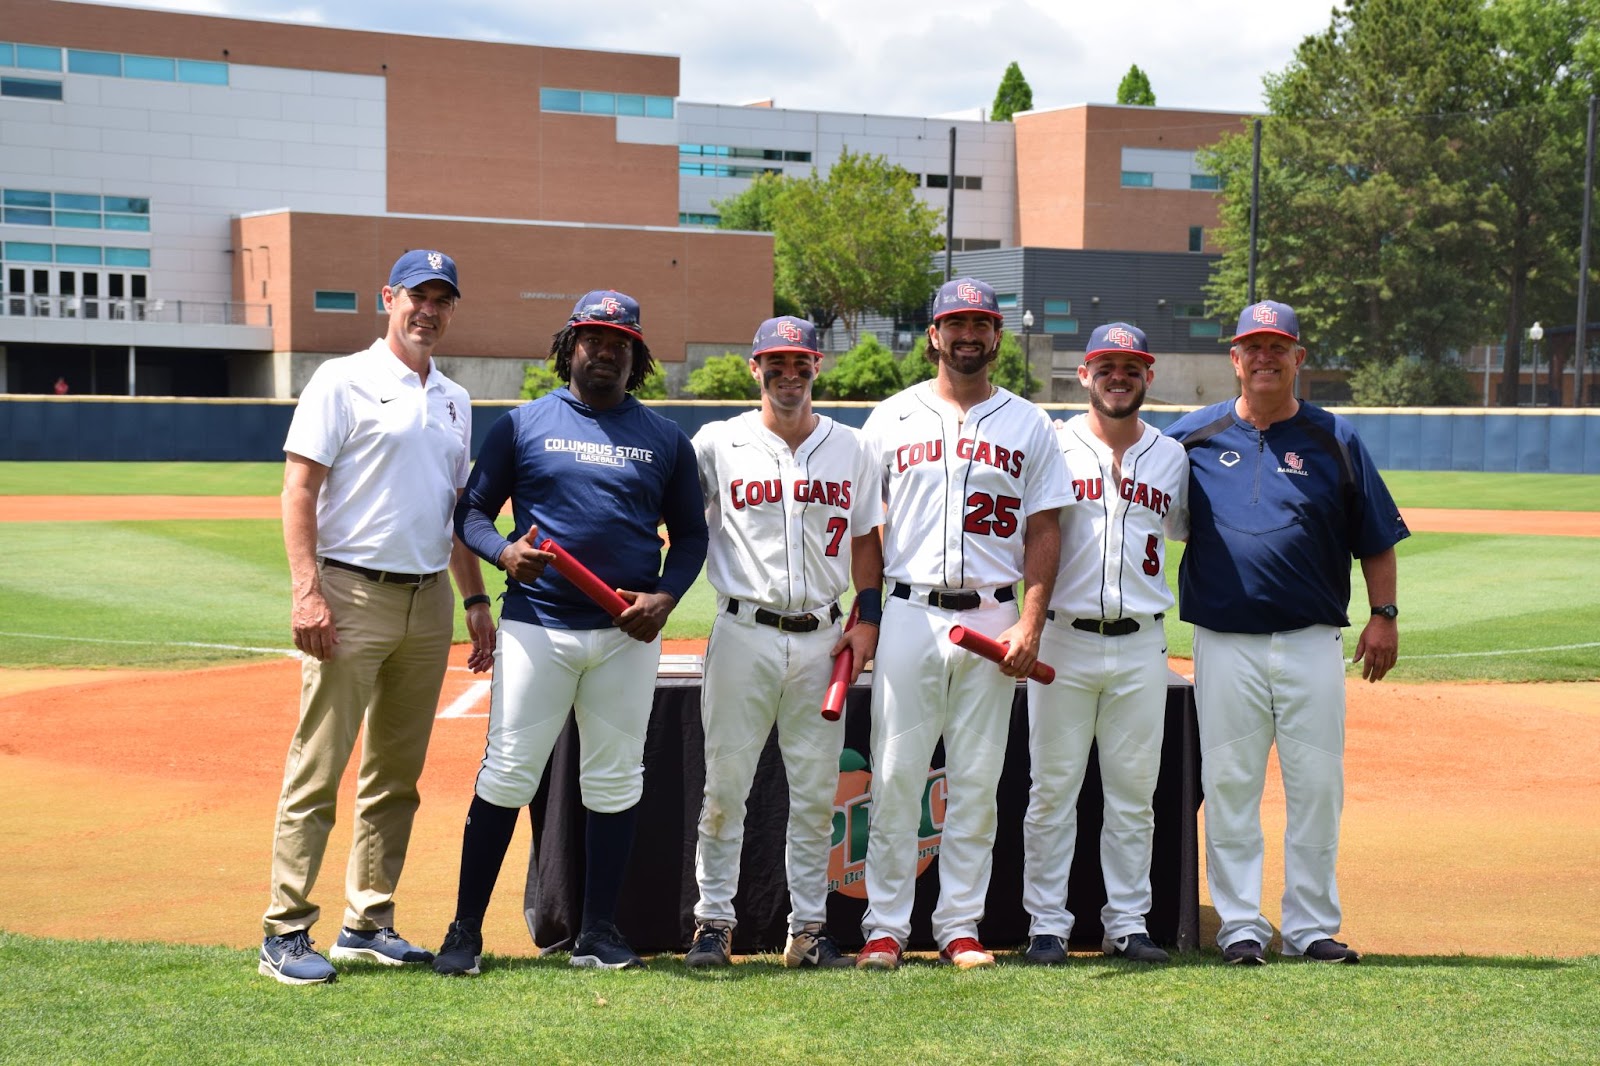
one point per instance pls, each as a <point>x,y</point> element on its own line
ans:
<point>473,601</point>
<point>1387,610</point>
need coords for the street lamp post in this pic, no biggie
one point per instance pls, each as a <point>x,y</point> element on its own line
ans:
<point>1535,334</point>
<point>1027,350</point>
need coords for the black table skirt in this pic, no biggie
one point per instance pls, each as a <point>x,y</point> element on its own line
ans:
<point>659,892</point>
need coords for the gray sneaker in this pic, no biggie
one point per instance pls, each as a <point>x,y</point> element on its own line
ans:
<point>814,947</point>
<point>1135,947</point>
<point>382,946</point>
<point>290,959</point>
<point>712,941</point>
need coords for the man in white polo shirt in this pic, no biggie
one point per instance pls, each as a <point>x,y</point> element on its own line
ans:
<point>377,454</point>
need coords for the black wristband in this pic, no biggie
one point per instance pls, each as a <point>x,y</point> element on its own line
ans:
<point>869,605</point>
<point>473,601</point>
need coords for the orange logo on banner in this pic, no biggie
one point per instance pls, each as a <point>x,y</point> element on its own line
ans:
<point>852,820</point>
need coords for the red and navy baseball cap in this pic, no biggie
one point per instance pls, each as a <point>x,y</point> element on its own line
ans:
<point>1269,316</point>
<point>422,264</point>
<point>1118,338</point>
<point>606,307</point>
<point>963,295</point>
<point>785,333</point>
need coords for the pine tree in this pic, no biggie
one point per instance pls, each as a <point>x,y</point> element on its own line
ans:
<point>1013,95</point>
<point>1135,88</point>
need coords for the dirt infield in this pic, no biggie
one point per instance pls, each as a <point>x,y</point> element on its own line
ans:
<point>139,804</point>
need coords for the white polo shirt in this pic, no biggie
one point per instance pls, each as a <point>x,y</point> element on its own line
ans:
<point>397,452</point>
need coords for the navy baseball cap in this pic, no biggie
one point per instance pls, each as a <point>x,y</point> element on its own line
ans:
<point>1118,338</point>
<point>607,307</point>
<point>785,333</point>
<point>1269,316</point>
<point>421,264</point>
<point>965,294</point>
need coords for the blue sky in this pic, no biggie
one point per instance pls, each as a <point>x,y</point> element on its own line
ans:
<point>893,57</point>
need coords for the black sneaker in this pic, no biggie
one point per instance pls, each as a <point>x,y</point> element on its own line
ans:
<point>711,947</point>
<point>1244,953</point>
<point>1329,950</point>
<point>460,954</point>
<point>603,948</point>
<point>291,959</point>
<point>814,946</point>
<point>1135,947</point>
<point>1045,949</point>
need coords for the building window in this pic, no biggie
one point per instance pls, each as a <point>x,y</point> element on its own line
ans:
<point>1060,324</point>
<point>963,181</point>
<point>105,63</point>
<point>30,207</point>
<point>38,57</point>
<point>330,300</point>
<point>1138,179</point>
<point>776,155</point>
<point>150,68</point>
<point>694,218</point>
<point>1197,238</point>
<point>30,88</point>
<point>723,170</point>
<point>1058,307</point>
<point>1207,182</point>
<point>201,72</point>
<point>1205,330</point>
<point>1181,309</point>
<point>580,102</point>
<point>1005,300</point>
<point>83,254</point>
<point>28,252</point>
<point>128,257</point>
<point>973,244</point>
<point>8,54</point>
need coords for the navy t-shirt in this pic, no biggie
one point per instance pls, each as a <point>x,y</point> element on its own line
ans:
<point>598,483</point>
<point>1275,516</point>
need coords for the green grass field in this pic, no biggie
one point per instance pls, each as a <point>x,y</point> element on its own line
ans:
<point>187,593</point>
<point>115,1002</point>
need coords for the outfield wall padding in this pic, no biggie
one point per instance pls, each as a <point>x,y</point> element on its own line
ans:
<point>32,428</point>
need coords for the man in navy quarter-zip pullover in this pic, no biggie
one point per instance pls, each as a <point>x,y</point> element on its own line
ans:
<point>1282,495</point>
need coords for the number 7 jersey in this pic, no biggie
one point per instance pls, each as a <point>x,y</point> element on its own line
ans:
<point>959,490</point>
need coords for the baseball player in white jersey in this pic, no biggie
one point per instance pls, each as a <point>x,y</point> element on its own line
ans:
<point>972,478</point>
<point>793,509</point>
<point>1130,490</point>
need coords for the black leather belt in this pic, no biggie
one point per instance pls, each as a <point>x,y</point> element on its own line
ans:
<point>788,623</point>
<point>955,599</point>
<point>383,577</point>
<point>1106,627</point>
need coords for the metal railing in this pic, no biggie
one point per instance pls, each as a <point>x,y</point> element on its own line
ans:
<point>115,309</point>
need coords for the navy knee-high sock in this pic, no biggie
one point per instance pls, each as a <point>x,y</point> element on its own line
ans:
<point>607,845</point>
<point>483,848</point>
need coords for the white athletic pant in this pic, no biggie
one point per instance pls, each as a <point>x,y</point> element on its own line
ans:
<point>1111,689</point>
<point>924,686</point>
<point>606,676</point>
<point>1251,690</point>
<point>755,677</point>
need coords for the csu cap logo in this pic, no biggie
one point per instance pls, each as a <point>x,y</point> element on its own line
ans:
<point>1264,315</point>
<point>435,260</point>
<point>1120,337</point>
<point>969,292</point>
<point>1294,461</point>
<point>610,307</point>
<point>789,331</point>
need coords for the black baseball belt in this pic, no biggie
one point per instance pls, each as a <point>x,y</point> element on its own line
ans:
<point>787,623</point>
<point>382,577</point>
<point>953,599</point>
<point>1106,627</point>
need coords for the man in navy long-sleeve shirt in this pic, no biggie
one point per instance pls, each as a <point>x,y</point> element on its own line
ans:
<point>593,469</point>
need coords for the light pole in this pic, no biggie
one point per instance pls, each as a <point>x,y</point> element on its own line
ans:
<point>1535,334</point>
<point>1027,351</point>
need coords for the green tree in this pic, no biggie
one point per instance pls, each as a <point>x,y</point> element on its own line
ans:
<point>752,208</point>
<point>1013,95</point>
<point>855,241</point>
<point>539,379</point>
<point>1010,370</point>
<point>866,372</point>
<point>1372,203</point>
<point>653,387</point>
<point>1135,88</point>
<point>724,377</point>
<point>1410,383</point>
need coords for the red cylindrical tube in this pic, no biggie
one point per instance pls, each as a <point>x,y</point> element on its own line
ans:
<point>584,578</point>
<point>994,651</point>
<point>839,684</point>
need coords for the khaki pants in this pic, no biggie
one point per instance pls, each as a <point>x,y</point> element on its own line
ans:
<point>387,669</point>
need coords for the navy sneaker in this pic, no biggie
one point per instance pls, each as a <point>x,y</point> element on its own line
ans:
<point>289,959</point>
<point>1045,949</point>
<point>813,946</point>
<point>461,953</point>
<point>711,946</point>
<point>382,946</point>
<point>602,948</point>
<point>1244,953</point>
<point>1329,950</point>
<point>1135,947</point>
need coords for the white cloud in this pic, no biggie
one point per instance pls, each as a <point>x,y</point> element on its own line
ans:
<point>904,57</point>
